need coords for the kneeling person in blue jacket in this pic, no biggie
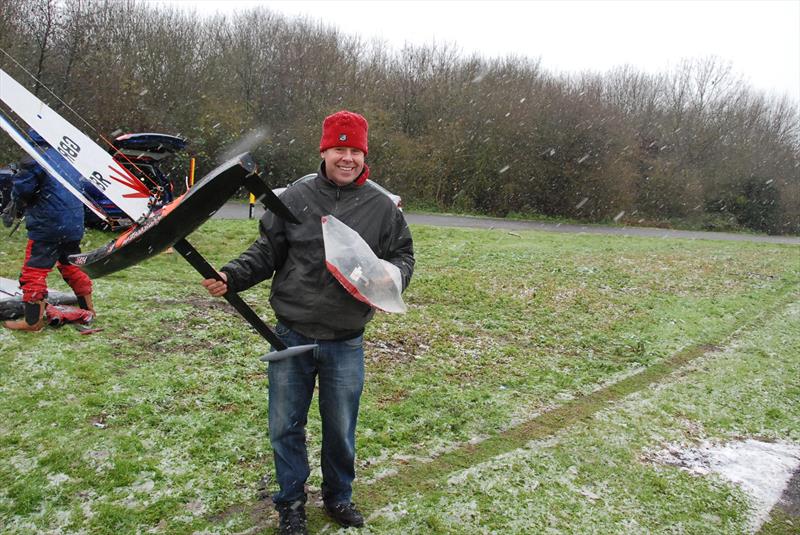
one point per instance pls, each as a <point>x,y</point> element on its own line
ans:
<point>54,221</point>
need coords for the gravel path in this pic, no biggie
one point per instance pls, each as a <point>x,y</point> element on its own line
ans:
<point>240,211</point>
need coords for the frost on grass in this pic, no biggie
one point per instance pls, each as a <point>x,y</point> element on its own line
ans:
<point>387,463</point>
<point>761,469</point>
<point>174,463</point>
<point>23,463</point>
<point>391,512</point>
<point>99,459</point>
<point>56,480</point>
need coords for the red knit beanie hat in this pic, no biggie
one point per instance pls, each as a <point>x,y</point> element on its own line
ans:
<point>344,129</point>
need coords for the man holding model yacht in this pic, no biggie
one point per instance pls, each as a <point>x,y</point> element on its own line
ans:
<point>312,307</point>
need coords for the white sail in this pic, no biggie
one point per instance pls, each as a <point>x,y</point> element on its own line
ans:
<point>89,159</point>
<point>22,142</point>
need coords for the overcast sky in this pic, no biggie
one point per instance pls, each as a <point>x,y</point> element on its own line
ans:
<point>760,39</point>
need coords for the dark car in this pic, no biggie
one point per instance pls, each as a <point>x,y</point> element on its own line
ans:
<point>6,173</point>
<point>5,186</point>
<point>396,199</point>
<point>143,155</point>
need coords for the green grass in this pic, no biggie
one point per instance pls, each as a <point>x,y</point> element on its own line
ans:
<point>514,397</point>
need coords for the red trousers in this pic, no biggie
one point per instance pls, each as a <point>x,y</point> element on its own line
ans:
<point>40,257</point>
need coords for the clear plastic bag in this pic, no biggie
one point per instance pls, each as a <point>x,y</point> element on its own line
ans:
<point>369,279</point>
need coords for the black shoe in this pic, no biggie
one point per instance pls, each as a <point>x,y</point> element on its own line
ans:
<point>293,518</point>
<point>345,514</point>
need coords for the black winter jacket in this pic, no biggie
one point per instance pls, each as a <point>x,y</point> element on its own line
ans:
<point>305,296</point>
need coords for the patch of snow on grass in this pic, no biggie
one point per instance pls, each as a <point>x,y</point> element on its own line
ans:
<point>380,474</point>
<point>100,460</point>
<point>434,449</point>
<point>392,512</point>
<point>86,509</point>
<point>56,480</point>
<point>196,507</point>
<point>478,472</point>
<point>22,463</point>
<point>761,469</point>
<point>174,463</point>
<point>144,487</point>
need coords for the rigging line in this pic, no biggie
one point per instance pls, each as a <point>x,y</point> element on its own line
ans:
<point>53,171</point>
<point>92,128</point>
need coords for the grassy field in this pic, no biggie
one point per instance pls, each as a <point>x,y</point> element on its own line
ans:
<point>526,391</point>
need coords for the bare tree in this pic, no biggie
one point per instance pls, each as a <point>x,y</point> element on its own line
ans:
<point>494,135</point>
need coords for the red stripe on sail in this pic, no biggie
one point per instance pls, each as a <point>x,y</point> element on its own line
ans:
<point>124,177</point>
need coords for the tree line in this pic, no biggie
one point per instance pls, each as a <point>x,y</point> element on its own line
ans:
<point>695,146</point>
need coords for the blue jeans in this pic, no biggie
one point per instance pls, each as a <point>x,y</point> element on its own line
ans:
<point>340,368</point>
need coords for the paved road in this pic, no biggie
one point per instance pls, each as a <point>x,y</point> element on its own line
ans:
<point>241,211</point>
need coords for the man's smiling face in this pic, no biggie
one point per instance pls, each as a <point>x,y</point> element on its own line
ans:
<point>343,164</point>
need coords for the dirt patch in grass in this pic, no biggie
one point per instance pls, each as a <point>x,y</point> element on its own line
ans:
<point>228,408</point>
<point>195,302</point>
<point>262,514</point>
<point>208,304</point>
<point>99,420</point>
<point>150,350</point>
<point>790,500</point>
<point>392,397</point>
<point>784,519</point>
<point>395,351</point>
